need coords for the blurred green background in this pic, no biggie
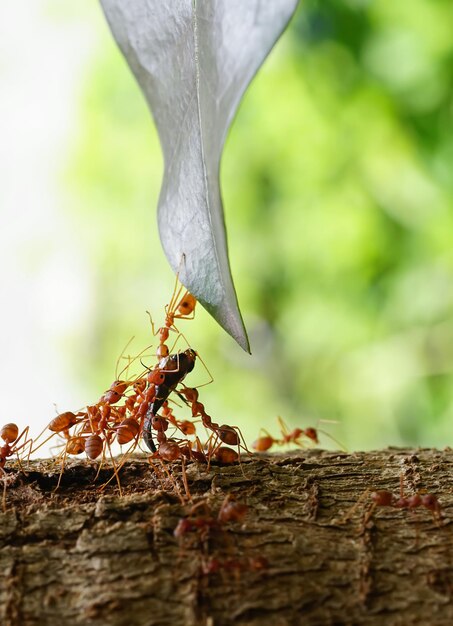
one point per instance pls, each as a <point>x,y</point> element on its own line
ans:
<point>339,169</point>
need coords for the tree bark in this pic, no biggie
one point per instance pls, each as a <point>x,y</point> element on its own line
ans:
<point>311,548</point>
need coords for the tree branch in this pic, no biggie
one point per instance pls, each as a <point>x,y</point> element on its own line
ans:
<point>311,548</point>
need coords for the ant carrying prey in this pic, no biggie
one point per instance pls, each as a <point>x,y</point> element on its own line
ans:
<point>138,408</point>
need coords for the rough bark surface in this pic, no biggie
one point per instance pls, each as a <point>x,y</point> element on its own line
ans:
<point>310,550</point>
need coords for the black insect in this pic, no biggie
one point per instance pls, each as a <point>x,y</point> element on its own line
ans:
<point>173,369</point>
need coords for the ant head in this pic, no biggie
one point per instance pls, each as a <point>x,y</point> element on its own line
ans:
<point>9,433</point>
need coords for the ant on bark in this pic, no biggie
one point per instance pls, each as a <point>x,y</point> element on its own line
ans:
<point>11,437</point>
<point>202,524</point>
<point>301,437</point>
<point>385,498</point>
<point>229,435</point>
<point>91,431</point>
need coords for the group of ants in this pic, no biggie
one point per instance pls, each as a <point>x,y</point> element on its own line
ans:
<point>139,409</point>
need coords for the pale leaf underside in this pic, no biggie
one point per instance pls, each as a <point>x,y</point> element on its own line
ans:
<point>193,60</point>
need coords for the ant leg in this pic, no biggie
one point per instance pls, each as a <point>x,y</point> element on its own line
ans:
<point>151,321</point>
<point>368,514</point>
<point>332,438</point>
<point>131,360</point>
<point>347,516</point>
<point>171,307</point>
<point>211,377</point>
<point>174,329</point>
<point>174,482</point>
<point>120,357</point>
<point>65,453</point>
<point>24,432</point>
<point>4,477</point>
<point>177,290</point>
<point>212,447</point>
<point>114,467</point>
<point>100,467</point>
<point>181,397</point>
<point>16,449</point>
<point>241,438</point>
<point>33,450</point>
<point>158,474</point>
<point>184,479</point>
<point>129,451</point>
<point>284,430</point>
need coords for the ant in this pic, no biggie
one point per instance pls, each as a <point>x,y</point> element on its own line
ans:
<point>196,529</point>
<point>181,306</point>
<point>230,435</point>
<point>230,511</point>
<point>90,431</point>
<point>298,436</point>
<point>385,498</point>
<point>10,435</point>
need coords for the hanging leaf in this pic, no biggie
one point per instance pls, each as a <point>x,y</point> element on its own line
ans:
<point>193,60</point>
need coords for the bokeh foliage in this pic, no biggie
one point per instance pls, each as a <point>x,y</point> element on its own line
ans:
<point>338,190</point>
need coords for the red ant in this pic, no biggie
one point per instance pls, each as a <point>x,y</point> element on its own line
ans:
<point>297,436</point>
<point>198,526</point>
<point>61,424</point>
<point>383,497</point>
<point>10,435</point>
<point>230,511</point>
<point>93,429</point>
<point>181,306</point>
<point>230,435</point>
<point>185,426</point>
